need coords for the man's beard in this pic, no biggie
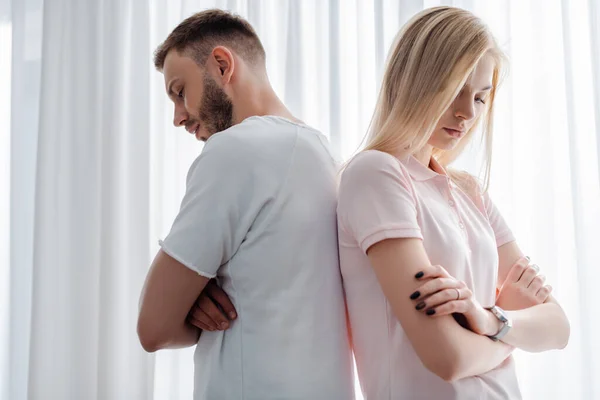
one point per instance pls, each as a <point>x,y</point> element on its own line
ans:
<point>216,110</point>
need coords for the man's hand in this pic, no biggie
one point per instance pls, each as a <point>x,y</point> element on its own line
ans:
<point>523,287</point>
<point>213,310</point>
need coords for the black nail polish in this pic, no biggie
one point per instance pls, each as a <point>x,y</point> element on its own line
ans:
<point>415,295</point>
<point>420,306</point>
<point>431,311</point>
<point>419,275</point>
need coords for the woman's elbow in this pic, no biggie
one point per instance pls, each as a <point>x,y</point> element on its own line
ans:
<point>445,367</point>
<point>566,335</point>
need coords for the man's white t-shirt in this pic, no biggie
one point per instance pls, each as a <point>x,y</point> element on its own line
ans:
<point>259,213</point>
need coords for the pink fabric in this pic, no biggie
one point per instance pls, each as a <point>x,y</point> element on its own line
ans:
<point>383,197</point>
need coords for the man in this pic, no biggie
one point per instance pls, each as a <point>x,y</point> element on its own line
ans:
<point>259,213</point>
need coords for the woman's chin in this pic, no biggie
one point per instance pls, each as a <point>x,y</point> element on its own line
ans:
<point>446,145</point>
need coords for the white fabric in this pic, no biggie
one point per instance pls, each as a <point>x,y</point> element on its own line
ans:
<point>259,213</point>
<point>89,232</point>
<point>382,197</point>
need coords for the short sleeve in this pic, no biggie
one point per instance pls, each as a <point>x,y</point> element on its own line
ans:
<point>501,230</point>
<point>220,204</point>
<point>376,201</point>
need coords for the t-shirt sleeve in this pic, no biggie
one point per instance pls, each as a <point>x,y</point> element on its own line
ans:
<point>220,204</point>
<point>376,201</point>
<point>502,232</point>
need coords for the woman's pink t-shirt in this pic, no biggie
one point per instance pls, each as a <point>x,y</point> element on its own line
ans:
<point>382,197</point>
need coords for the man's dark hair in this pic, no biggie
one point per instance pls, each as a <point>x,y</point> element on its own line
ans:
<point>199,34</point>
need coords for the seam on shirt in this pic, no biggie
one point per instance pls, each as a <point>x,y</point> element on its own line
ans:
<point>240,320</point>
<point>325,144</point>
<point>387,319</point>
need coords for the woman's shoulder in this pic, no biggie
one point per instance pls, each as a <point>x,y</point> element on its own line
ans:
<point>467,182</point>
<point>369,163</point>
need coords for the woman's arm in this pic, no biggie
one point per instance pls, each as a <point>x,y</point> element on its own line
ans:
<point>537,328</point>
<point>444,347</point>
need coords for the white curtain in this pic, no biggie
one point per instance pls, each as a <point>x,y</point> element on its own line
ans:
<point>92,171</point>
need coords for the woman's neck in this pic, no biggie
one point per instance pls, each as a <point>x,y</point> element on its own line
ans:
<point>424,155</point>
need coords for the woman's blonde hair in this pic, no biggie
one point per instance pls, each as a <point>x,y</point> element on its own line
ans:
<point>432,57</point>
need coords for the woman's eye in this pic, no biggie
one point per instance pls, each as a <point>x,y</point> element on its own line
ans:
<point>480,100</point>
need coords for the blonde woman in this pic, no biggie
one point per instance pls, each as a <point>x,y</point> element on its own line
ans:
<point>421,243</point>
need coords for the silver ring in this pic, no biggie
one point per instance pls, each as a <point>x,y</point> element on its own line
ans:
<point>457,294</point>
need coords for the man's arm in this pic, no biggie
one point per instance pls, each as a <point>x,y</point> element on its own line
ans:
<point>168,295</point>
<point>444,347</point>
<point>537,328</point>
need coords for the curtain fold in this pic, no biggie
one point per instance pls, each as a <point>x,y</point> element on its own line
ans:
<point>94,171</point>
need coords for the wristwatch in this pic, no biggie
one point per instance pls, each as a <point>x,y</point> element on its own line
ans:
<point>507,323</point>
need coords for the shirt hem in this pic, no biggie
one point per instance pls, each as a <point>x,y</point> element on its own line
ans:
<point>185,263</point>
<point>379,236</point>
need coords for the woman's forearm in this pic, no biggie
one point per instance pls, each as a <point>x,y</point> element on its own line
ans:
<point>476,354</point>
<point>538,328</point>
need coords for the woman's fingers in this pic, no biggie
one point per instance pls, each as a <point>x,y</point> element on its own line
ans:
<point>434,286</point>
<point>528,275</point>
<point>544,292</point>
<point>444,298</point>
<point>441,297</point>
<point>451,307</point>
<point>434,271</point>
<point>537,283</point>
<point>517,270</point>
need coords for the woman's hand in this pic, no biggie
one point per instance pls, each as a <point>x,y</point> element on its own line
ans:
<point>442,294</point>
<point>523,287</point>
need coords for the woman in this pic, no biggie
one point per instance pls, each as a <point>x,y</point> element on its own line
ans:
<point>421,244</point>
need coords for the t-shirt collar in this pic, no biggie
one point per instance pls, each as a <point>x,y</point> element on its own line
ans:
<point>420,172</point>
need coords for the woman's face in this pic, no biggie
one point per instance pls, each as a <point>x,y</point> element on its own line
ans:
<point>466,107</point>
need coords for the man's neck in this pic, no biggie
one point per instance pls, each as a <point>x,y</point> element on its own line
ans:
<point>258,102</point>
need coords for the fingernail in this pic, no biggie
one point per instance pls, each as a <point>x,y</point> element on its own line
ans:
<point>527,257</point>
<point>420,306</point>
<point>415,295</point>
<point>223,325</point>
<point>232,315</point>
<point>419,275</point>
<point>431,311</point>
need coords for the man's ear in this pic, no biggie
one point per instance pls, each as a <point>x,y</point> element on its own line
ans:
<point>223,63</point>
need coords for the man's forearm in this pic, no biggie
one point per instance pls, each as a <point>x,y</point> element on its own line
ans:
<point>185,335</point>
<point>538,328</point>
